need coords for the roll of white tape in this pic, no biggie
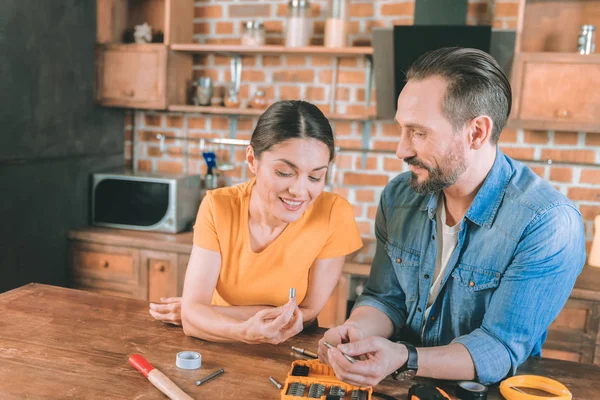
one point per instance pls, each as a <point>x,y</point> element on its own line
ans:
<point>188,360</point>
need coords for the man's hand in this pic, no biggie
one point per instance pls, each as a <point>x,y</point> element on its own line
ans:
<point>349,332</point>
<point>381,358</point>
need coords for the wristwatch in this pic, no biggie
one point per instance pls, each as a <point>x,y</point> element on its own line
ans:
<point>410,367</point>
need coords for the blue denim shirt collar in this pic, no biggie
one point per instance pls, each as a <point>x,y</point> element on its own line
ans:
<point>488,198</point>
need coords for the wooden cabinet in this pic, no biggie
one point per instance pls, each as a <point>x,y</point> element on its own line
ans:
<point>147,76</point>
<point>575,334</point>
<point>106,269</point>
<point>131,76</point>
<point>553,85</point>
<point>140,265</point>
<point>557,92</point>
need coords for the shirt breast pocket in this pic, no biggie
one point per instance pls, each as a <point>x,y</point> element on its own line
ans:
<point>406,266</point>
<point>471,292</point>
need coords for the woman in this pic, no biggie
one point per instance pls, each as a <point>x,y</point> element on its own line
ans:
<point>255,241</point>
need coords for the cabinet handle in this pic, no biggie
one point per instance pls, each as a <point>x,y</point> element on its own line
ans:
<point>562,113</point>
<point>106,264</point>
<point>128,93</point>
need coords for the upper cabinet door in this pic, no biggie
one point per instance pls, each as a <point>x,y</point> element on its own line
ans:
<point>132,76</point>
<point>557,91</point>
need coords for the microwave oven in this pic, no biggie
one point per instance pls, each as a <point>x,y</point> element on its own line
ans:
<point>147,202</point>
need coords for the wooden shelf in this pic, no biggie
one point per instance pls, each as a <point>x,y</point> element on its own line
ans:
<point>281,50</point>
<point>254,112</point>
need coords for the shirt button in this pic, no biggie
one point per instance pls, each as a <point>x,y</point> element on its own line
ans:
<point>433,318</point>
<point>432,237</point>
<point>426,276</point>
<point>398,260</point>
<point>471,283</point>
<point>419,309</point>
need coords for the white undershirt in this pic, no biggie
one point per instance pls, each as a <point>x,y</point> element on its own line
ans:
<point>448,238</point>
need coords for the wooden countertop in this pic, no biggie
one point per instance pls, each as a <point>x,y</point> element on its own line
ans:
<point>586,287</point>
<point>57,343</point>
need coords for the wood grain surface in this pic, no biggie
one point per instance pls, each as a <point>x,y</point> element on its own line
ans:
<point>58,343</point>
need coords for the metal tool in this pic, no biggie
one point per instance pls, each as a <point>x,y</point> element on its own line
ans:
<point>292,293</point>
<point>316,391</point>
<point>274,382</point>
<point>337,391</point>
<point>307,353</point>
<point>349,358</point>
<point>209,377</point>
<point>296,389</point>
<point>359,395</point>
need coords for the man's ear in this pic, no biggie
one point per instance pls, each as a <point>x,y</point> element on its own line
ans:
<point>251,159</point>
<point>480,131</point>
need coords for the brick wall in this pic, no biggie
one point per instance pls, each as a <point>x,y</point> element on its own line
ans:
<point>300,77</point>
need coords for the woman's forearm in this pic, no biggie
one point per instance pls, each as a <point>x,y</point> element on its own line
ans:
<point>241,313</point>
<point>205,322</point>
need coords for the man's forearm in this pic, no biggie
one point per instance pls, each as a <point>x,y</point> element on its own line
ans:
<point>371,321</point>
<point>452,362</point>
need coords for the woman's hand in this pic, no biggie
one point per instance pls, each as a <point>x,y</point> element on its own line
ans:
<point>168,311</point>
<point>274,325</point>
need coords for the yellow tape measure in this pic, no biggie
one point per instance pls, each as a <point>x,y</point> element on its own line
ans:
<point>507,388</point>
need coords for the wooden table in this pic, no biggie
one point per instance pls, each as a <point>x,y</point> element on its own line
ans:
<point>64,343</point>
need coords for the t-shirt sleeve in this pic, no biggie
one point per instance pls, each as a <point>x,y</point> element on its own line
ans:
<point>343,236</point>
<point>205,230</point>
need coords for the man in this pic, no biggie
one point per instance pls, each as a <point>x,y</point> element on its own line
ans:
<point>476,255</point>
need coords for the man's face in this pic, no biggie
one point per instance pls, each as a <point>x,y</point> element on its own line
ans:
<point>428,142</point>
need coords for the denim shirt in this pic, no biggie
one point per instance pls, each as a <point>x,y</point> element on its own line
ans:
<point>520,248</point>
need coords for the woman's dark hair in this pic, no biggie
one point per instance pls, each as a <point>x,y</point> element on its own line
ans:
<point>476,85</point>
<point>291,119</point>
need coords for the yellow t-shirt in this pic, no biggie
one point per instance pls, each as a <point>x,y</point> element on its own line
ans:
<point>326,230</point>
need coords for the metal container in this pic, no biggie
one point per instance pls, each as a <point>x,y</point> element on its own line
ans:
<point>204,91</point>
<point>586,42</point>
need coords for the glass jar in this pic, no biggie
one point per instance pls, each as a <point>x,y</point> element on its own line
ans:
<point>299,24</point>
<point>204,91</point>
<point>586,42</point>
<point>259,101</point>
<point>232,99</point>
<point>253,33</point>
<point>336,26</point>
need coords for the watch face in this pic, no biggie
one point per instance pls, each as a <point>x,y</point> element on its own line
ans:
<point>405,375</point>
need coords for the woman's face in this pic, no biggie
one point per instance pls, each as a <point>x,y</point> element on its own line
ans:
<point>290,176</point>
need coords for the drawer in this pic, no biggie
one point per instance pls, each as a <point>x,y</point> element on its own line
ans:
<point>104,264</point>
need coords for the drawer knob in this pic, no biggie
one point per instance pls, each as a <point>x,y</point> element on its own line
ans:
<point>128,93</point>
<point>161,268</point>
<point>106,264</point>
<point>563,113</point>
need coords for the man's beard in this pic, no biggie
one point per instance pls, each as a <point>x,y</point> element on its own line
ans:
<point>441,177</point>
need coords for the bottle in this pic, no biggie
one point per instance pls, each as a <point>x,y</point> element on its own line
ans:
<point>586,42</point>
<point>336,26</point>
<point>299,24</point>
<point>253,33</point>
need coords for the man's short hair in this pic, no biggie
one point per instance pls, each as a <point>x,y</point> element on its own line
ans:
<point>476,85</point>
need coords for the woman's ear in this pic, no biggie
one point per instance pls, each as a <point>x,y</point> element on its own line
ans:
<point>251,159</point>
